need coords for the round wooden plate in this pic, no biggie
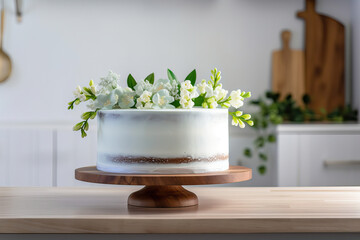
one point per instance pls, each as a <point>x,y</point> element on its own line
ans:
<point>163,190</point>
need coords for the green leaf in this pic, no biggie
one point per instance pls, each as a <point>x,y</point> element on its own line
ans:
<point>86,126</point>
<point>262,169</point>
<point>150,78</point>
<point>176,103</point>
<point>83,133</point>
<point>93,115</point>
<point>171,75</point>
<point>192,77</point>
<point>131,82</point>
<point>306,99</point>
<point>86,115</point>
<point>263,156</point>
<point>199,100</point>
<point>271,138</point>
<point>248,152</point>
<point>246,95</point>
<point>259,142</point>
<point>87,90</point>
<point>78,126</point>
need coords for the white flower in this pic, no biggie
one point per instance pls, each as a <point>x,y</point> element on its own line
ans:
<point>186,85</point>
<point>220,93</point>
<point>108,83</point>
<point>125,97</point>
<point>162,84</point>
<point>209,91</point>
<point>91,104</point>
<point>144,101</point>
<point>147,105</point>
<point>201,86</point>
<point>106,101</point>
<point>187,103</point>
<point>187,93</point>
<point>78,93</point>
<point>175,90</point>
<point>142,86</point>
<point>186,96</point>
<point>162,99</point>
<point>236,100</point>
<point>213,104</point>
<point>145,97</point>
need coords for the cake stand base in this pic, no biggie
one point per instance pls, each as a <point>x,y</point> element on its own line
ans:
<point>163,197</point>
<point>163,190</point>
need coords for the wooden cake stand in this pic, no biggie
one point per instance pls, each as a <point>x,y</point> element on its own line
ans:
<point>163,190</point>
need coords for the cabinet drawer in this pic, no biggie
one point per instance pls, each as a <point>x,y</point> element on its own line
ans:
<point>329,160</point>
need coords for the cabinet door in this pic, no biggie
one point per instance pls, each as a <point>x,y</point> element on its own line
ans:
<point>329,160</point>
<point>73,152</point>
<point>26,157</point>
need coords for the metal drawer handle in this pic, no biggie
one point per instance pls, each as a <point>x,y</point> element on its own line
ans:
<point>329,163</point>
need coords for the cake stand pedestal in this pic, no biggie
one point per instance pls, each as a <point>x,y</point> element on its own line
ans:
<point>163,190</point>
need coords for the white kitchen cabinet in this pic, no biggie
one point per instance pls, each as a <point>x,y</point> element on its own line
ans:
<point>73,152</point>
<point>318,155</point>
<point>26,156</point>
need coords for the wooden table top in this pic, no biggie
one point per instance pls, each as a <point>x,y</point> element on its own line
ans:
<point>221,210</point>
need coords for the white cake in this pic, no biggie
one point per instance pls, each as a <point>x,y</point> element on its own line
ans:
<point>163,141</point>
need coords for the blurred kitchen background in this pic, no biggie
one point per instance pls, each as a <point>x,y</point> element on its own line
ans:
<point>58,45</point>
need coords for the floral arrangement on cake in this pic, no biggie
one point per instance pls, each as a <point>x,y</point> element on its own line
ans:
<point>159,94</point>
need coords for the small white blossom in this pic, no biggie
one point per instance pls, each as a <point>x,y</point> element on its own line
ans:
<point>161,84</point>
<point>209,91</point>
<point>187,103</point>
<point>108,83</point>
<point>78,93</point>
<point>147,105</point>
<point>201,86</point>
<point>145,97</point>
<point>187,93</point>
<point>236,100</point>
<point>220,93</point>
<point>186,85</point>
<point>144,101</point>
<point>175,90</point>
<point>213,105</point>
<point>142,86</point>
<point>106,101</point>
<point>162,99</point>
<point>125,97</point>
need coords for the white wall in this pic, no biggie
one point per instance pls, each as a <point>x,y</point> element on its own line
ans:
<point>61,44</point>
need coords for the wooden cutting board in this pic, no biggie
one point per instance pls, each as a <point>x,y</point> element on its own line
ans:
<point>324,57</point>
<point>288,70</point>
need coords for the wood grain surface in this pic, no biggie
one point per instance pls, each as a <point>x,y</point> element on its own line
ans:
<point>234,174</point>
<point>221,210</point>
<point>324,58</point>
<point>288,70</point>
<point>163,197</point>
